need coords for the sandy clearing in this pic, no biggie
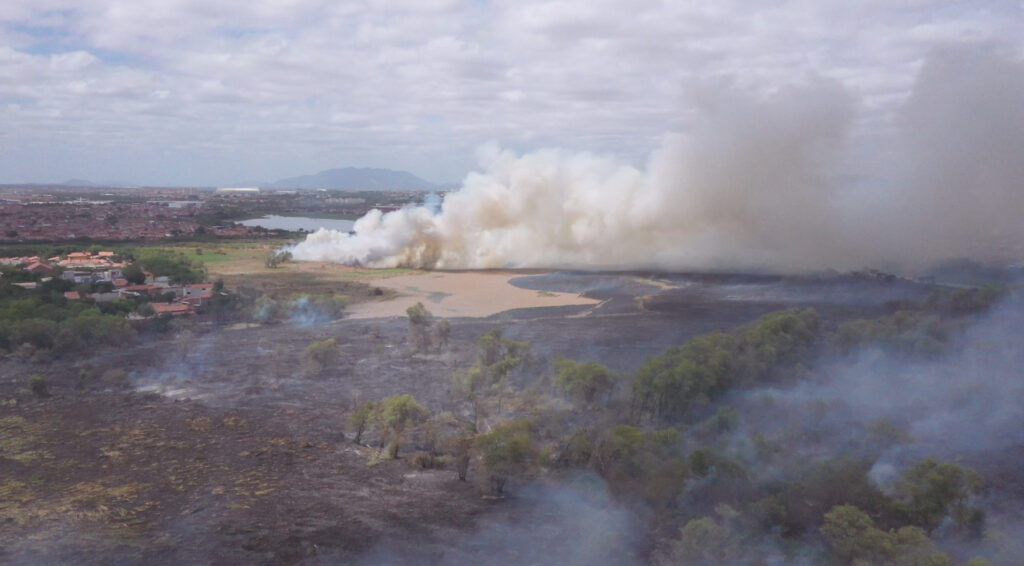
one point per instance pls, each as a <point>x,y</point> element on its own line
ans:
<point>456,294</point>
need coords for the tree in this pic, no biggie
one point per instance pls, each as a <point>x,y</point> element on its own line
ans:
<point>38,332</point>
<point>505,451</point>
<point>583,381</point>
<point>265,309</point>
<point>497,358</point>
<point>276,258</point>
<point>931,491</point>
<point>364,417</point>
<point>134,274</point>
<point>443,330</point>
<point>461,447</point>
<point>398,412</point>
<point>318,355</point>
<point>641,463</point>
<point>684,375</point>
<point>851,534</point>
<point>704,541</point>
<point>419,325</point>
<point>852,537</point>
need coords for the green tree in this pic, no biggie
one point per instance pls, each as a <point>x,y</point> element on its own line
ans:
<point>443,331</point>
<point>461,447</point>
<point>506,451</point>
<point>930,491</point>
<point>851,534</point>
<point>852,537</point>
<point>398,413</point>
<point>134,274</point>
<point>319,355</point>
<point>670,383</point>
<point>586,382</point>
<point>419,326</point>
<point>705,541</point>
<point>647,464</point>
<point>38,332</point>
<point>363,418</point>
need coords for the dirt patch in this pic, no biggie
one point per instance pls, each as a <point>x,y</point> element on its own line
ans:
<point>461,294</point>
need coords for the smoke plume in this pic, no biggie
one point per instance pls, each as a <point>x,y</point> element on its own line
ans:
<point>759,182</point>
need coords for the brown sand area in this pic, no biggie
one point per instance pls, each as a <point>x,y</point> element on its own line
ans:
<point>460,293</point>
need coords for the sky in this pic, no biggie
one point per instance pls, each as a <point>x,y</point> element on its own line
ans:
<point>194,92</point>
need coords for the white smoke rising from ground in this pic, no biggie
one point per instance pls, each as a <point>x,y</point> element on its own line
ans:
<point>753,185</point>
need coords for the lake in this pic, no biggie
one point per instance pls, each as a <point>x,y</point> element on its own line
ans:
<point>296,223</point>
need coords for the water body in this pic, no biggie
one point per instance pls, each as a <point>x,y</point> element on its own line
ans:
<point>296,223</point>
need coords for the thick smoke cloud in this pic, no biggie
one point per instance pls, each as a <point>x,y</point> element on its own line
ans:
<point>760,182</point>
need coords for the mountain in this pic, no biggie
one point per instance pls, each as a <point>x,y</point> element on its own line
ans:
<point>79,183</point>
<point>355,179</point>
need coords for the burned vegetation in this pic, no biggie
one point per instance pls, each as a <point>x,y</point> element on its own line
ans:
<point>684,420</point>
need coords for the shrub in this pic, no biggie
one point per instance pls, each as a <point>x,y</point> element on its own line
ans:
<point>38,386</point>
<point>319,355</point>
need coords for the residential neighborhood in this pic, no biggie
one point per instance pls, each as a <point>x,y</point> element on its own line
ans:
<point>104,272</point>
<point>108,221</point>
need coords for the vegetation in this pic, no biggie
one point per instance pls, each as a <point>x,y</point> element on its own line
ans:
<point>44,320</point>
<point>420,320</point>
<point>276,258</point>
<point>320,355</point>
<point>507,450</point>
<point>38,386</point>
<point>585,382</point>
<point>772,349</point>
<point>676,450</point>
<point>363,418</point>
<point>177,266</point>
<point>674,437</point>
<point>397,413</point>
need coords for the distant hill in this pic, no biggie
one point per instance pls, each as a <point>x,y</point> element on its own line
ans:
<point>79,183</point>
<point>355,179</point>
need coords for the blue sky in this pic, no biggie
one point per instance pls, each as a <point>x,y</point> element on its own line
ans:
<point>212,93</point>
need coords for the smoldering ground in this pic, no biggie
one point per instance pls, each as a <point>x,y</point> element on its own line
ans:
<point>759,182</point>
<point>575,522</point>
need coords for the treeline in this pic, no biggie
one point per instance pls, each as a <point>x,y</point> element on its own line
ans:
<point>43,319</point>
<point>661,437</point>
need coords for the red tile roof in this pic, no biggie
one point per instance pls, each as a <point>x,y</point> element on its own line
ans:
<point>172,308</point>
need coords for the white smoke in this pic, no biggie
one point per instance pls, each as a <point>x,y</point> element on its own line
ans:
<point>752,185</point>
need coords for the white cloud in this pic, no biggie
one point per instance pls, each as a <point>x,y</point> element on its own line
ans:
<point>276,88</point>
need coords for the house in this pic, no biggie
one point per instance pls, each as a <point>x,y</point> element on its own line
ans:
<point>72,295</point>
<point>111,275</point>
<point>105,297</point>
<point>37,267</point>
<point>77,276</point>
<point>173,309</point>
<point>197,289</point>
<point>198,300</point>
<point>150,290</point>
